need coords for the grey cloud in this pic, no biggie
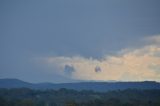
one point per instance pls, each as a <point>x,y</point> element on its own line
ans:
<point>98,69</point>
<point>69,69</point>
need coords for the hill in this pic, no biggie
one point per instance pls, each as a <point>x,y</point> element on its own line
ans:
<point>95,86</point>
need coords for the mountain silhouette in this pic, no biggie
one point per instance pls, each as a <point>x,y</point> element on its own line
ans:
<point>95,86</point>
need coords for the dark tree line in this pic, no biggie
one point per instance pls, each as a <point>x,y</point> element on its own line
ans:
<point>66,97</point>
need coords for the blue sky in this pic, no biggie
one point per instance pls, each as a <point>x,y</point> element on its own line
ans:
<point>40,38</point>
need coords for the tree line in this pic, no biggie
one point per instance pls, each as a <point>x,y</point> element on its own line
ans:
<point>67,97</point>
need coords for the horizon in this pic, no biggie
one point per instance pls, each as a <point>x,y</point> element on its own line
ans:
<point>80,81</point>
<point>68,41</point>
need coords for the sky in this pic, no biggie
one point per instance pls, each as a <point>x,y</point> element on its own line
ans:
<point>80,40</point>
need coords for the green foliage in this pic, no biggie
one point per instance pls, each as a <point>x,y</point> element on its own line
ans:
<point>65,97</point>
<point>71,103</point>
<point>26,103</point>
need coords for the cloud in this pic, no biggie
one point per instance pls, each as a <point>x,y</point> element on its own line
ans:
<point>68,70</point>
<point>129,65</point>
<point>98,69</point>
<point>153,39</point>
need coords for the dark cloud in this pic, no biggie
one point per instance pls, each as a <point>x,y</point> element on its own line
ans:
<point>97,69</point>
<point>69,69</point>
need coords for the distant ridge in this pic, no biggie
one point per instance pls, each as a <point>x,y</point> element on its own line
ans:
<point>14,83</point>
<point>96,86</point>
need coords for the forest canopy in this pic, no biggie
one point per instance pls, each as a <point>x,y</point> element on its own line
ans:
<point>68,97</point>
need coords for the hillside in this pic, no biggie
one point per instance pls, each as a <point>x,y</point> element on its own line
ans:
<point>96,86</point>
